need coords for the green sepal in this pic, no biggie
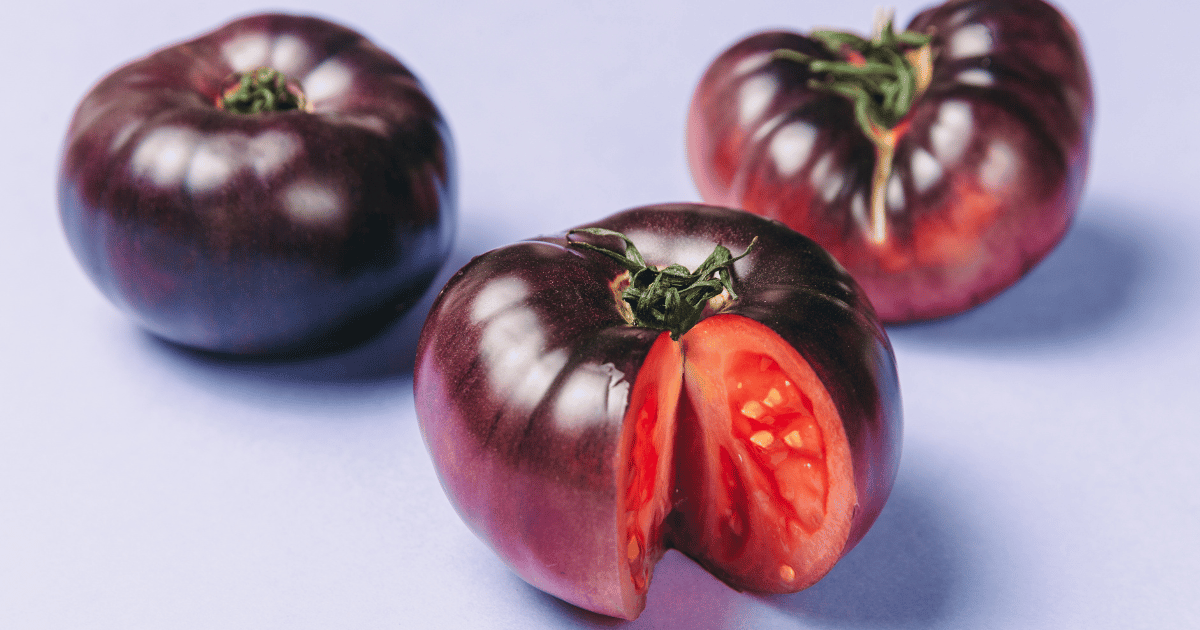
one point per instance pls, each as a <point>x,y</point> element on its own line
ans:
<point>671,298</point>
<point>262,90</point>
<point>882,88</point>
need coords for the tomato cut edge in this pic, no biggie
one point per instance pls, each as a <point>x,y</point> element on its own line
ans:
<point>646,483</point>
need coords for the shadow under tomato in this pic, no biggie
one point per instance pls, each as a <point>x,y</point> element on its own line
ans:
<point>904,572</point>
<point>382,357</point>
<point>380,360</point>
<point>1087,285</point>
<point>682,595</point>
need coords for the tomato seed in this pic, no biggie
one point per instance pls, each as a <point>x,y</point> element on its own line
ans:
<point>787,573</point>
<point>763,439</point>
<point>735,525</point>
<point>753,409</point>
<point>773,398</point>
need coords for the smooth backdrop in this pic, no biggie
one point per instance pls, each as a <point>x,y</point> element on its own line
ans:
<point>1051,471</point>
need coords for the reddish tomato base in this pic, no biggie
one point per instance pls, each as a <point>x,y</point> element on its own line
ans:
<point>757,485</point>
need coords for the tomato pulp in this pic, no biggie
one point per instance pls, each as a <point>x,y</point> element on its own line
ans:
<point>761,439</point>
<point>762,480</point>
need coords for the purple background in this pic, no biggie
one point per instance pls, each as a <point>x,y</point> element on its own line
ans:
<point>1051,472</point>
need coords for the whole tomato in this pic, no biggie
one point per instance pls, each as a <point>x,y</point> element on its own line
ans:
<point>595,398</point>
<point>278,185</point>
<point>938,164</point>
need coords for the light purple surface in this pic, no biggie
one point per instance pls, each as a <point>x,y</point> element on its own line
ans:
<point>1051,472</point>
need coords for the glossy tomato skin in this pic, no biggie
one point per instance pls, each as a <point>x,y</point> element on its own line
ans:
<point>525,367</point>
<point>988,169</point>
<point>266,233</point>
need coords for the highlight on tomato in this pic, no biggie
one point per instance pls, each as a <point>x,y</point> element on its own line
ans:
<point>939,163</point>
<point>672,377</point>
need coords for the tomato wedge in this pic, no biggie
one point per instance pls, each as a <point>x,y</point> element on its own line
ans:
<point>764,454</point>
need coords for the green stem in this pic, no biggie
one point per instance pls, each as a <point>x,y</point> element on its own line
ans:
<point>672,298</point>
<point>262,90</point>
<point>876,74</point>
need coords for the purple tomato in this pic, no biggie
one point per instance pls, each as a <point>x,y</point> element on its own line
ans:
<point>278,185</point>
<point>938,164</point>
<point>677,376</point>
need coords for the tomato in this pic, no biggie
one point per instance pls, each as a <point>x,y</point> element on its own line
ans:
<point>278,185</point>
<point>588,409</point>
<point>938,164</point>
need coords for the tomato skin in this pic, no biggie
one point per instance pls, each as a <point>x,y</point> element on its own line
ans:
<point>268,233</point>
<point>988,169</point>
<point>525,368</point>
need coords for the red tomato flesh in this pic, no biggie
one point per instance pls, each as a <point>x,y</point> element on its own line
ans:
<point>649,475</point>
<point>761,488</point>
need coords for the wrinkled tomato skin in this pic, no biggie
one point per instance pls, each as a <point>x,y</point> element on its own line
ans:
<point>525,366</point>
<point>989,165</point>
<point>259,234</point>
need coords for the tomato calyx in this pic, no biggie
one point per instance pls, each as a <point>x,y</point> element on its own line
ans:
<point>672,298</point>
<point>883,77</point>
<point>262,90</point>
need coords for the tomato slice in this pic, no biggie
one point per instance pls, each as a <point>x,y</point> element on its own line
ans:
<point>760,475</point>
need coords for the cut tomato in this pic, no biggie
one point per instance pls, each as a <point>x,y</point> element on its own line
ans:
<point>758,432</point>
<point>759,472</point>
